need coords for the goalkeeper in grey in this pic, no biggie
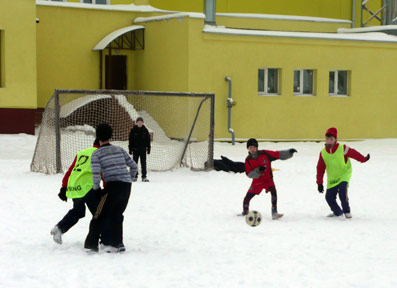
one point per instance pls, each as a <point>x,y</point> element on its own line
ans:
<point>112,162</point>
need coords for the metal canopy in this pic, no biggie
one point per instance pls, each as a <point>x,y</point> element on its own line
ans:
<point>130,38</point>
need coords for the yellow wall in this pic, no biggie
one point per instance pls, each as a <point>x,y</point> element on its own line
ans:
<point>163,66</point>
<point>368,113</point>
<point>337,9</point>
<point>18,54</point>
<point>178,56</point>
<point>65,39</point>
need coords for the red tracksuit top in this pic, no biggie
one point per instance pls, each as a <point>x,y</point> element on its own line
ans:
<point>265,157</point>
<point>349,153</point>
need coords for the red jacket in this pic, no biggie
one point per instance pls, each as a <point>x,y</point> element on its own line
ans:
<point>349,153</point>
<point>67,174</point>
<point>265,157</point>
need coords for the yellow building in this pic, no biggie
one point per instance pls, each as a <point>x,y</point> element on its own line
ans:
<point>292,76</point>
<point>18,90</point>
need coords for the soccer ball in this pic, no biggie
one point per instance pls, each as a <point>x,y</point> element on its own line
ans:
<point>253,218</point>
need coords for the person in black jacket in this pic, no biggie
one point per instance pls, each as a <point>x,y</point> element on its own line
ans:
<point>139,144</point>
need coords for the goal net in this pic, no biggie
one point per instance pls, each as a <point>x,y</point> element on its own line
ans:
<point>181,126</point>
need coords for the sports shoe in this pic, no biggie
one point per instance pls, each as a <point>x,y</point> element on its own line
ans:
<point>56,234</point>
<point>348,215</point>
<point>243,213</point>
<point>145,180</point>
<point>121,248</point>
<point>134,179</point>
<point>276,216</point>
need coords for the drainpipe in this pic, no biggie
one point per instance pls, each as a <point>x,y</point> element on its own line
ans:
<point>354,14</point>
<point>210,12</point>
<point>230,104</point>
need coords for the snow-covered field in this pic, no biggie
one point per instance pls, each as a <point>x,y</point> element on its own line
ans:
<point>181,229</point>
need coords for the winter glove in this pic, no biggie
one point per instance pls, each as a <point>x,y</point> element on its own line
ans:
<point>148,150</point>
<point>62,194</point>
<point>292,151</point>
<point>320,188</point>
<point>262,168</point>
<point>367,157</point>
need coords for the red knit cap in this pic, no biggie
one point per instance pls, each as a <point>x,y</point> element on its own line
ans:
<point>332,131</point>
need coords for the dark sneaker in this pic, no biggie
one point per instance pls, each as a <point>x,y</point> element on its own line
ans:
<point>121,248</point>
<point>134,179</point>
<point>243,213</point>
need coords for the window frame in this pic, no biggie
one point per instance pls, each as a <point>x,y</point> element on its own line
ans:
<point>336,94</point>
<point>301,77</point>
<point>107,2</point>
<point>266,82</point>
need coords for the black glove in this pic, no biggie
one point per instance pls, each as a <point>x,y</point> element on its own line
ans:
<point>148,150</point>
<point>62,194</point>
<point>262,168</point>
<point>320,188</point>
<point>367,157</point>
<point>292,151</point>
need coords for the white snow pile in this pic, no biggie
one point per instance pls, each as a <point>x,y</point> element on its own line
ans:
<point>181,229</point>
<point>72,106</point>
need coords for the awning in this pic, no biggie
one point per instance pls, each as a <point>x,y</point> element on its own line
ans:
<point>107,40</point>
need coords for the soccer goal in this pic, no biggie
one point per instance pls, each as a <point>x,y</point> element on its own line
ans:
<point>181,126</point>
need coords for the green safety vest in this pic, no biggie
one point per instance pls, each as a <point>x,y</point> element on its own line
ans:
<point>337,170</point>
<point>80,180</point>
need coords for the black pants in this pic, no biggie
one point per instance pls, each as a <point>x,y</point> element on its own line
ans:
<point>142,155</point>
<point>78,211</point>
<point>330,196</point>
<point>109,218</point>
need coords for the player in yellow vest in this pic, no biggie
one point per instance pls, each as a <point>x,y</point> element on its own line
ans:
<point>335,159</point>
<point>77,185</point>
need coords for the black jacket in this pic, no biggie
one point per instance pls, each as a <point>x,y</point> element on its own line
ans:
<point>139,139</point>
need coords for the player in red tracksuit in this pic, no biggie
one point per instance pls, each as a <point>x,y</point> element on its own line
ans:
<point>258,166</point>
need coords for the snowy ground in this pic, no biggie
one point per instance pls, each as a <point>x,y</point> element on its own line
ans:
<point>181,229</point>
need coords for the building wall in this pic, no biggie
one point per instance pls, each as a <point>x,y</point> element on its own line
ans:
<point>65,39</point>
<point>337,9</point>
<point>163,66</point>
<point>369,111</point>
<point>17,66</point>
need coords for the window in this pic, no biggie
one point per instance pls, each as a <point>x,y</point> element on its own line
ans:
<point>303,82</point>
<point>104,2</point>
<point>268,81</point>
<point>338,82</point>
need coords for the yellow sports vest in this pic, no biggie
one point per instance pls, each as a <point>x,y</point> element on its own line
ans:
<point>337,170</point>
<point>80,180</point>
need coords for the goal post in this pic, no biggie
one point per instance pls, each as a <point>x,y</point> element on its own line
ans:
<point>181,126</point>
